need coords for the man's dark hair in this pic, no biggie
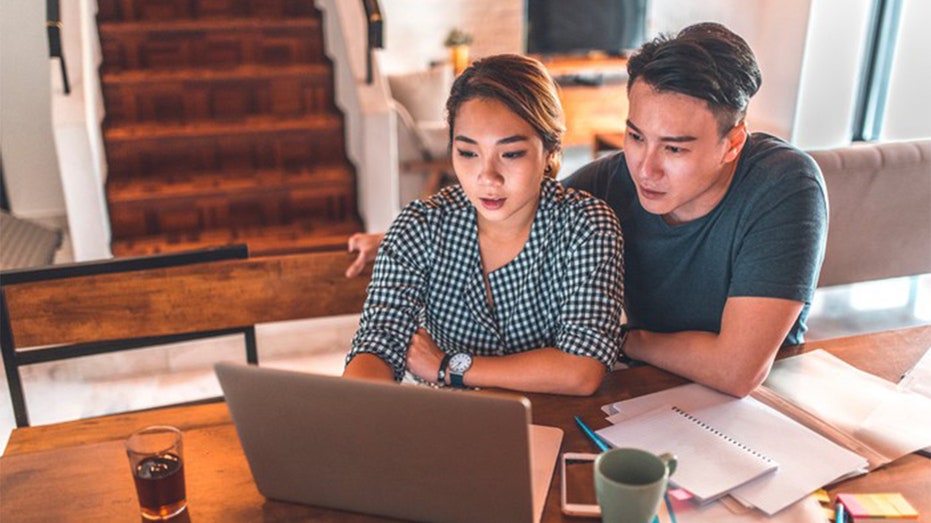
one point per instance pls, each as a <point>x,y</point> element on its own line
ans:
<point>706,61</point>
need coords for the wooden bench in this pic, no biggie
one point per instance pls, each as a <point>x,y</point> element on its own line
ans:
<point>92,314</point>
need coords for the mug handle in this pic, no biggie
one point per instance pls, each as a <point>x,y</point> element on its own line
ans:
<point>670,461</point>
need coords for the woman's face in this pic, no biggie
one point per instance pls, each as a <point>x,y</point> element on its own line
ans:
<point>499,160</point>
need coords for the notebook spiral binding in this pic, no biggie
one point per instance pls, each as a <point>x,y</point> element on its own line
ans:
<point>720,434</point>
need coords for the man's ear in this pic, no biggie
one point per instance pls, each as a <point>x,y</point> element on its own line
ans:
<point>736,139</point>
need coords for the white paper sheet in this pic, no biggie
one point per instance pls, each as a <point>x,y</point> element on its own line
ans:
<point>891,420</point>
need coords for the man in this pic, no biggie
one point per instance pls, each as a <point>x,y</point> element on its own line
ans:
<point>724,230</point>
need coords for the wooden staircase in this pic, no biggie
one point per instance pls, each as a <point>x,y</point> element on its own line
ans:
<point>221,127</point>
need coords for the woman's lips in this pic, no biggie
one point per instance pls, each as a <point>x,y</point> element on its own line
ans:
<point>492,204</point>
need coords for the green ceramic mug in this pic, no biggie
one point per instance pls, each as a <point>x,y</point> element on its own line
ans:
<point>630,483</point>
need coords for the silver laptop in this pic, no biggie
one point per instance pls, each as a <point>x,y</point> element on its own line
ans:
<point>402,451</point>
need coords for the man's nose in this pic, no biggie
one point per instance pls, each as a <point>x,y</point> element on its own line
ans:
<point>650,166</point>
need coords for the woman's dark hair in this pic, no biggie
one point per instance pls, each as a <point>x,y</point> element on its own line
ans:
<point>524,86</point>
<point>706,61</point>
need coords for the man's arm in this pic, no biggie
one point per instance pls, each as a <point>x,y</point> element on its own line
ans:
<point>367,245</point>
<point>737,360</point>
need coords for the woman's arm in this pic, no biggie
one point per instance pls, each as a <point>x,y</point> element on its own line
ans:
<point>368,366</point>
<point>541,370</point>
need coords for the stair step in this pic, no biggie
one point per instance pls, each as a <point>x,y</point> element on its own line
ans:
<point>251,125</point>
<point>210,43</point>
<point>183,95</point>
<point>302,236</point>
<point>204,25</point>
<point>244,145</point>
<point>217,200</point>
<point>114,10</point>
<point>327,179</point>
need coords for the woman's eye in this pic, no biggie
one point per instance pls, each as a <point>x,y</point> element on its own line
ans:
<point>515,154</point>
<point>465,154</point>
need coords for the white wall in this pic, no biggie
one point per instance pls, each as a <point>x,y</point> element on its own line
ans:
<point>774,29</point>
<point>76,124</point>
<point>30,165</point>
<point>908,110</point>
<point>833,60</point>
<point>415,29</point>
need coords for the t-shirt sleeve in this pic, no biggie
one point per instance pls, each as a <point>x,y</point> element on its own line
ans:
<point>592,292</point>
<point>396,292</point>
<point>782,247</point>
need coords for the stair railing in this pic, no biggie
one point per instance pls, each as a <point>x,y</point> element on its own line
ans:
<point>375,34</point>
<point>55,49</point>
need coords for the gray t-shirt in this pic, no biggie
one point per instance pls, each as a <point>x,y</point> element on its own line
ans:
<point>765,238</point>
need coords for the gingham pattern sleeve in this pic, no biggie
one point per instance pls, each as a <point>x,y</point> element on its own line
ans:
<point>591,292</point>
<point>396,292</point>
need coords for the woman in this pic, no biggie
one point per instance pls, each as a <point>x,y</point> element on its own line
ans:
<point>507,279</point>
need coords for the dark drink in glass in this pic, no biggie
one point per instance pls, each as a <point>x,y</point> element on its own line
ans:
<point>160,486</point>
<point>156,459</point>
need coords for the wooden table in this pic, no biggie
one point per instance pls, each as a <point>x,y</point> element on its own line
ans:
<point>84,465</point>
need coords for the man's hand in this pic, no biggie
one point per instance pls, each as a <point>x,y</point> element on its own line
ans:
<point>423,356</point>
<point>367,245</point>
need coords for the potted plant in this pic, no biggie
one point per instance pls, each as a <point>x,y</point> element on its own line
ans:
<point>457,41</point>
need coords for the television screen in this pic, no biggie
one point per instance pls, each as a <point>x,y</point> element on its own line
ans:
<point>583,26</point>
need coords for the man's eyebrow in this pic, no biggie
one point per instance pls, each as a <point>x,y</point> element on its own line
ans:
<point>673,139</point>
<point>503,141</point>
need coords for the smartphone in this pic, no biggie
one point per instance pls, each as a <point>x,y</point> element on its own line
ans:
<point>578,485</point>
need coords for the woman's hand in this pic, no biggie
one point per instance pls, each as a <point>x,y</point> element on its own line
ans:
<point>367,245</point>
<point>423,356</point>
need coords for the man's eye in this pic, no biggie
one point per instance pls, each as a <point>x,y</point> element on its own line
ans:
<point>634,136</point>
<point>674,150</point>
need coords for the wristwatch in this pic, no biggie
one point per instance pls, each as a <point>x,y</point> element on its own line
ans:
<point>441,375</point>
<point>458,365</point>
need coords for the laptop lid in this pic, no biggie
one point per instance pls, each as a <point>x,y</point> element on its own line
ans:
<point>393,450</point>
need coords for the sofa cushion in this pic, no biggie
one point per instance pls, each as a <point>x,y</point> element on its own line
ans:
<point>879,198</point>
<point>423,93</point>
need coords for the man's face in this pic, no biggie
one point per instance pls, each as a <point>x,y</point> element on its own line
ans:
<point>680,164</point>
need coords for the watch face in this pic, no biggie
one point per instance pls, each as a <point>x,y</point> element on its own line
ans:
<point>460,363</point>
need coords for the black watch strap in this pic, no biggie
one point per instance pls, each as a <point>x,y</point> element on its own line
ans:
<point>441,375</point>
<point>456,380</point>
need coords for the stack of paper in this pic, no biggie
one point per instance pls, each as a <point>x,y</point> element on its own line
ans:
<point>807,461</point>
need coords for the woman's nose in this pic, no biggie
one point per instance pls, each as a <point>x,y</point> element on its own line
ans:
<point>490,175</point>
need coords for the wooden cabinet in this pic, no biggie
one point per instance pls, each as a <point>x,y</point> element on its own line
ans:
<point>593,91</point>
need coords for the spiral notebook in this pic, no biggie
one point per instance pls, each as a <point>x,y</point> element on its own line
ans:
<point>710,463</point>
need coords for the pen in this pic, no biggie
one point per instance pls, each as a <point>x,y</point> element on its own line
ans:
<point>839,515</point>
<point>599,442</point>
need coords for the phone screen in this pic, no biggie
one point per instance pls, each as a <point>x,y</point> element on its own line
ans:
<point>580,481</point>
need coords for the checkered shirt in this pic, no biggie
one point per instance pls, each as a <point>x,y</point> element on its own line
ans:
<point>563,290</point>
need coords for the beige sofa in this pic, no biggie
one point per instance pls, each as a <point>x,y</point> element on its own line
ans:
<point>879,197</point>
